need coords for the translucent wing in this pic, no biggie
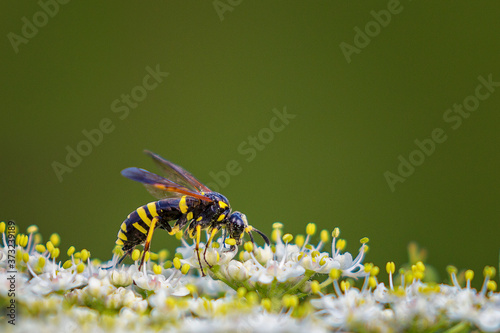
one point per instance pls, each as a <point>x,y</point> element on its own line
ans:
<point>158,186</point>
<point>177,174</point>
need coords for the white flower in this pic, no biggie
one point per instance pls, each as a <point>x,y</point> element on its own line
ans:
<point>154,282</point>
<point>235,270</point>
<point>121,277</point>
<point>489,319</point>
<point>208,307</point>
<point>214,256</point>
<point>46,283</point>
<point>281,271</point>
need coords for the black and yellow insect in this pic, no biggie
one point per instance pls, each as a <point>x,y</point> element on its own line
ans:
<point>186,201</point>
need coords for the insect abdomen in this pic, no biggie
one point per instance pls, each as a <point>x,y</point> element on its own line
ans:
<point>134,229</point>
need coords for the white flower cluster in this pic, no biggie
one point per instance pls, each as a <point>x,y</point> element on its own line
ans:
<point>275,271</point>
<point>269,289</point>
<point>416,308</point>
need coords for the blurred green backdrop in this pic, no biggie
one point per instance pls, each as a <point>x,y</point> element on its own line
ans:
<point>360,99</point>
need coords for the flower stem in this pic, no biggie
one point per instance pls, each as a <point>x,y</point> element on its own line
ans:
<point>299,285</point>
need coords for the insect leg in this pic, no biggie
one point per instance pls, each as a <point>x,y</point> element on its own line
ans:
<point>197,247</point>
<point>181,222</point>
<point>128,252</point>
<point>214,231</point>
<point>148,239</point>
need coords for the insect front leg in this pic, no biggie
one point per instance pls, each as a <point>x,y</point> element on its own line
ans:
<point>213,231</point>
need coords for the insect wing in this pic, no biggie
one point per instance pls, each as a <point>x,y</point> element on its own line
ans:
<point>177,173</point>
<point>158,186</point>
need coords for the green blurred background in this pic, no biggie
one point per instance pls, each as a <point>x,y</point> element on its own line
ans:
<point>228,70</point>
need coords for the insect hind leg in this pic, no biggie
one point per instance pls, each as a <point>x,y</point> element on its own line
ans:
<point>148,239</point>
<point>116,263</point>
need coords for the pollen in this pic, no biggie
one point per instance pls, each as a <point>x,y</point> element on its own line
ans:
<point>70,251</point>
<point>335,274</point>
<point>84,254</point>
<point>41,262</point>
<point>55,239</point>
<point>177,263</point>
<point>157,269</point>
<point>372,282</point>
<point>185,269</point>
<point>324,235</point>
<point>31,229</point>
<point>311,229</point>
<point>277,225</point>
<point>80,267</point>
<point>287,238</point>
<point>345,285</point>
<point>266,304</point>
<point>230,241</point>
<point>390,267</point>
<point>55,253</point>
<point>241,292</point>
<point>451,269</point>
<point>40,248</point>
<point>248,246</point>
<point>193,290</point>
<point>489,271</point>
<point>299,240</point>
<point>315,287</point>
<point>136,254</point>
<point>275,235</point>
<point>163,255</point>
<point>341,244</point>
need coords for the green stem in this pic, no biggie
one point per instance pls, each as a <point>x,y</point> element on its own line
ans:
<point>460,327</point>
<point>299,285</point>
<point>325,283</point>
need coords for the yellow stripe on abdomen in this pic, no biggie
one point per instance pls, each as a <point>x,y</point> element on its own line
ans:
<point>143,215</point>
<point>152,209</point>
<point>122,236</point>
<point>140,228</point>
